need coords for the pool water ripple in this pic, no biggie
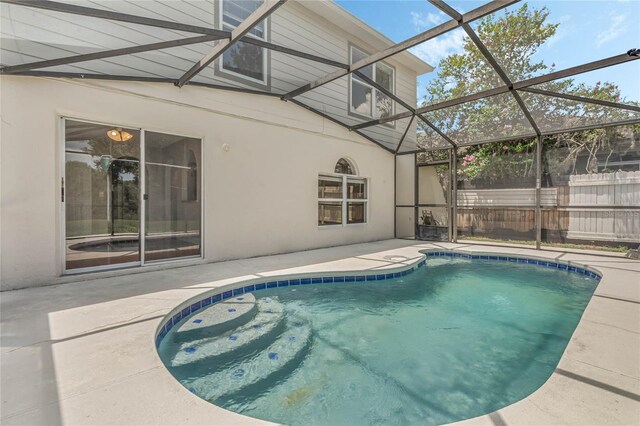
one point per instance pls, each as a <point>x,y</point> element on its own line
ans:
<point>454,340</point>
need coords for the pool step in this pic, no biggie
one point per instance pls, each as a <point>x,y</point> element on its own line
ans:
<point>245,375</point>
<point>216,319</point>
<point>212,353</point>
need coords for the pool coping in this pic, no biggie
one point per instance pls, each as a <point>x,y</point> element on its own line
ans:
<point>105,368</point>
<point>208,298</point>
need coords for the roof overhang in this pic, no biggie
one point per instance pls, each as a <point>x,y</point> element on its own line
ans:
<point>340,17</point>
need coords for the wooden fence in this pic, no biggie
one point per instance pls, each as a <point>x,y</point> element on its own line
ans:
<point>605,207</point>
<point>602,207</point>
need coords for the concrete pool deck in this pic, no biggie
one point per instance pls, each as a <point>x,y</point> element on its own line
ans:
<point>83,352</point>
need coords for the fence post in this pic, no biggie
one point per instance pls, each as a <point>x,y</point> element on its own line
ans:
<point>395,195</point>
<point>449,195</point>
<point>538,192</point>
<point>454,195</point>
<point>416,197</point>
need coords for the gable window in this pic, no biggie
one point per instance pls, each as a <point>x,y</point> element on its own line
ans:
<point>342,196</point>
<point>242,60</point>
<point>365,100</point>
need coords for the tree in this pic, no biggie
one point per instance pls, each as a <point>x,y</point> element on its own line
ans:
<point>513,39</point>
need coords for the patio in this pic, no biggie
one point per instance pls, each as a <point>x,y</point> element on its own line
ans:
<point>135,135</point>
<point>82,352</point>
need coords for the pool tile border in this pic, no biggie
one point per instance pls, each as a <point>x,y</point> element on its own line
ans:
<point>189,307</point>
<point>528,260</point>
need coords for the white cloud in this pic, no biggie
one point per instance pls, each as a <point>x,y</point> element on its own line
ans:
<point>563,30</point>
<point>422,22</point>
<point>434,50</point>
<point>613,30</point>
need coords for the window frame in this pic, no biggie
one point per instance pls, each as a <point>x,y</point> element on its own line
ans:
<point>374,92</point>
<point>221,71</point>
<point>344,200</point>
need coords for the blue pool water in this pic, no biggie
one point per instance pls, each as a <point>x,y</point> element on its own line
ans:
<point>456,339</point>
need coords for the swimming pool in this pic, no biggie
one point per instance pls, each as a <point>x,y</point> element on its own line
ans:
<point>458,338</point>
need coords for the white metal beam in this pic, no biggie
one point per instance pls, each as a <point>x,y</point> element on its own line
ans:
<point>404,45</point>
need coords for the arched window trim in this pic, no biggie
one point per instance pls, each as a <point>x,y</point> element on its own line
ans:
<point>342,197</point>
<point>345,162</point>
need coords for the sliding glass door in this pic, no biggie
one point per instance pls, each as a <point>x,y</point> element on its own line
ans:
<point>173,196</point>
<point>103,191</point>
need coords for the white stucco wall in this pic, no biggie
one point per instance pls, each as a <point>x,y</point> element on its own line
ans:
<point>405,195</point>
<point>260,197</point>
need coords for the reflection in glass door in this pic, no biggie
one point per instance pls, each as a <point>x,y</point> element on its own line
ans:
<point>102,196</point>
<point>172,196</point>
<point>101,193</point>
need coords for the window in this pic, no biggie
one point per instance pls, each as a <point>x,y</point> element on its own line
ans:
<point>243,60</point>
<point>366,100</point>
<point>344,167</point>
<point>342,197</point>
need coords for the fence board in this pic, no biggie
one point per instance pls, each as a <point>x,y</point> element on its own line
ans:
<point>615,190</point>
<point>597,207</point>
<point>525,197</point>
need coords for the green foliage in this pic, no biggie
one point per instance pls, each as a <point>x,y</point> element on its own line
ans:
<point>430,156</point>
<point>513,38</point>
<point>498,162</point>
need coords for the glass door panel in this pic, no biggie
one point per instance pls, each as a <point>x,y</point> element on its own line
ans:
<point>173,196</point>
<point>101,198</point>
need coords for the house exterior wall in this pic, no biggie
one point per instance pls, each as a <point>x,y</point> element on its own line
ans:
<point>34,35</point>
<point>405,196</point>
<point>260,197</point>
<point>295,26</point>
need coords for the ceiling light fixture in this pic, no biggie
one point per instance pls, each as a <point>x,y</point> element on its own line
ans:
<point>119,135</point>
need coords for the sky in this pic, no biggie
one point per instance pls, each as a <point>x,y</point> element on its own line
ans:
<point>589,30</point>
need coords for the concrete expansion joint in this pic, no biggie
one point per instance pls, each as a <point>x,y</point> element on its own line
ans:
<point>602,368</point>
<point>542,410</point>
<point>38,343</point>
<point>612,326</point>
